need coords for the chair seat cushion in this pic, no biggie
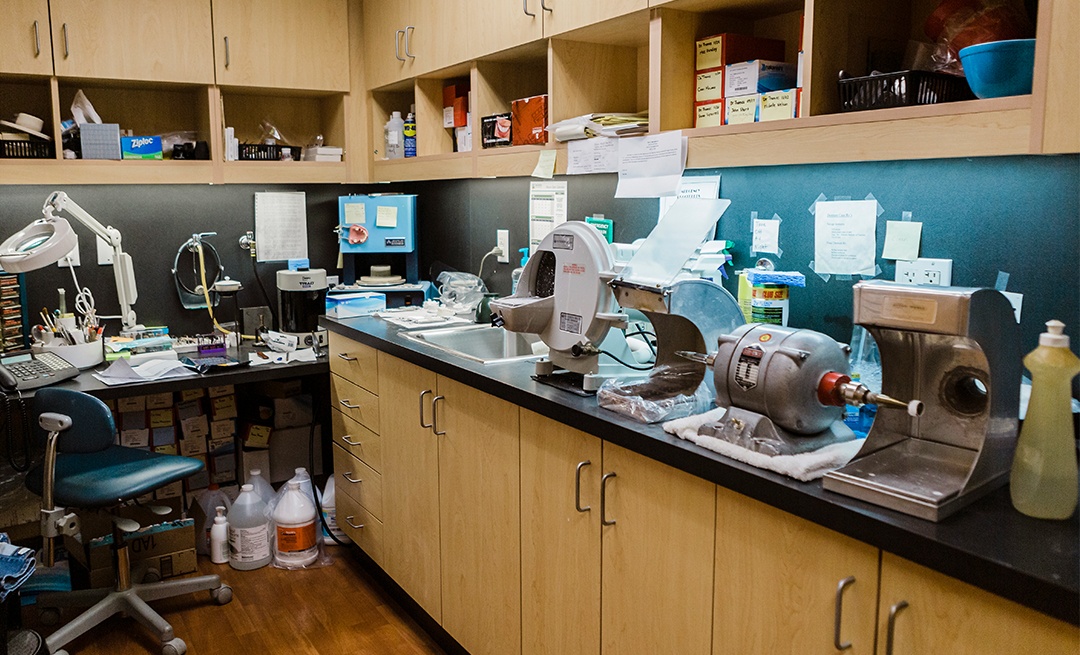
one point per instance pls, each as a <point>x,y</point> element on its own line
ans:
<point>109,476</point>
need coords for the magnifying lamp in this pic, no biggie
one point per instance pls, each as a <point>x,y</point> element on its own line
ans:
<point>48,239</point>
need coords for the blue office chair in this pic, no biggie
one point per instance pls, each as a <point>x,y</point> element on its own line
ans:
<point>83,468</point>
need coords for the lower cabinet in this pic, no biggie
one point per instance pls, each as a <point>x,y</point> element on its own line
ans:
<point>617,549</point>
<point>786,585</point>
<point>923,611</point>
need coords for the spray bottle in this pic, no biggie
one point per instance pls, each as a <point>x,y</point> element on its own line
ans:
<point>515,275</point>
<point>1043,481</point>
<point>409,132</point>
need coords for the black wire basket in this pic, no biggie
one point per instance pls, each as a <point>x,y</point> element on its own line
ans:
<point>17,149</point>
<point>902,89</point>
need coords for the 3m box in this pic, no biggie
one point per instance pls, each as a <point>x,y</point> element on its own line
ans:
<point>741,109</point>
<point>758,76</point>
<point>778,105</point>
<point>140,147</point>
<point>528,120</point>
<point>709,114</point>
<point>710,86</point>
<point>723,49</point>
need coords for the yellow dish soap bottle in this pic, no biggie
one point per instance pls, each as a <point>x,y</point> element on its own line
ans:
<point>1043,482</point>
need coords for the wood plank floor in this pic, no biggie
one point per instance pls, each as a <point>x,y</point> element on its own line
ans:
<point>336,609</point>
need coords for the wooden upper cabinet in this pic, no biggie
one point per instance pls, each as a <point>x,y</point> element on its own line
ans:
<point>496,25</point>
<point>282,44</point>
<point>566,15</point>
<point>384,42</point>
<point>156,41</point>
<point>437,34</point>
<point>24,31</point>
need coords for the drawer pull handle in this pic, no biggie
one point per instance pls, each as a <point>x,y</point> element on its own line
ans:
<point>348,519</point>
<point>840,612</point>
<point>348,440</point>
<point>347,404</point>
<point>577,487</point>
<point>422,394</point>
<point>348,476</point>
<point>893,611</point>
<point>603,500</point>
<point>346,357</point>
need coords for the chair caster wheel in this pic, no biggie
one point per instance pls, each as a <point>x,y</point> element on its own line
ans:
<point>174,647</point>
<point>49,616</point>
<point>60,652</point>
<point>151,576</point>
<point>222,595</point>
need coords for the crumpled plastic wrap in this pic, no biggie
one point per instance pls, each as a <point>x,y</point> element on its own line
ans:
<point>956,24</point>
<point>461,291</point>
<point>663,396</point>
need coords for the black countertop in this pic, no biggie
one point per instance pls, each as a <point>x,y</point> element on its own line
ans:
<point>987,544</point>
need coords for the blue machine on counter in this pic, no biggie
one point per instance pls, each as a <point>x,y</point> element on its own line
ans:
<point>380,225</point>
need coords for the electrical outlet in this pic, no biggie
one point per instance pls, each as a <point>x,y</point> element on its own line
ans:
<point>104,252</point>
<point>502,240</point>
<point>936,272</point>
<point>72,256</point>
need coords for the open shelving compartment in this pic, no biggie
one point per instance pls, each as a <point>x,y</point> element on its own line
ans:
<point>27,95</point>
<point>497,81</point>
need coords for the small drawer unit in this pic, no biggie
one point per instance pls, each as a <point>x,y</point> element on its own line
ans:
<point>362,527</point>
<point>358,481</point>
<point>359,441</point>
<point>355,362</point>
<point>355,402</point>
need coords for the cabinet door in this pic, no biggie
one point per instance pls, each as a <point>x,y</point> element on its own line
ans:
<point>479,495</point>
<point>282,44</point>
<point>384,42</point>
<point>133,40</point>
<point>560,538</point>
<point>944,615</point>
<point>772,564</point>
<point>25,32</point>
<point>496,25</point>
<point>657,557</point>
<point>568,15</point>
<point>410,455</point>
<point>437,34</point>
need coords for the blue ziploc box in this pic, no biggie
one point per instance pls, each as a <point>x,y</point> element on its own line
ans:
<point>140,147</point>
<point>758,76</point>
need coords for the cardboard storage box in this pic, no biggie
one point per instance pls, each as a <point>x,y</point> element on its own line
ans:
<point>528,120</point>
<point>728,48</point>
<point>281,413</point>
<point>758,76</point>
<point>709,114</point>
<point>778,105</point>
<point>155,545</point>
<point>741,109</point>
<point>140,147</point>
<point>289,449</point>
<point>455,105</point>
<point>710,86</point>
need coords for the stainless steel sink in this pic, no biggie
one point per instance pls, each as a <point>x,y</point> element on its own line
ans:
<point>480,343</point>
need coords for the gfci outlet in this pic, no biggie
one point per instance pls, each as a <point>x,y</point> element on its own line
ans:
<point>502,240</point>
<point>936,272</point>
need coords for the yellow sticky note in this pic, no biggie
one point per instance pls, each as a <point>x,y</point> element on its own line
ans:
<point>902,240</point>
<point>545,165</point>
<point>354,213</point>
<point>386,217</point>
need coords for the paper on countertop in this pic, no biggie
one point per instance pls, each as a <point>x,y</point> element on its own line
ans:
<point>651,166</point>
<point>845,237</point>
<point>599,155</point>
<point>766,236</point>
<point>545,164</point>
<point>416,317</point>
<point>122,372</point>
<point>902,240</point>
<point>302,355</point>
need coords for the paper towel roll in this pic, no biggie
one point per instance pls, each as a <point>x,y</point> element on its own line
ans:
<point>571,132</point>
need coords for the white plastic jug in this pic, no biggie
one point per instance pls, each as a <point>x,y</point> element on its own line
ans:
<point>262,487</point>
<point>296,544</point>
<point>249,531</point>
<point>329,512</point>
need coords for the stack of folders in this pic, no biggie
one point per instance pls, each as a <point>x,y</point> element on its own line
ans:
<point>590,125</point>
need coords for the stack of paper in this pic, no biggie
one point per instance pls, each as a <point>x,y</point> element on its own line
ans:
<point>590,125</point>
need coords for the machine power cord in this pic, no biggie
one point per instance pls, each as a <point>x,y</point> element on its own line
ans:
<point>206,295</point>
<point>318,502</point>
<point>629,366</point>
<point>645,333</point>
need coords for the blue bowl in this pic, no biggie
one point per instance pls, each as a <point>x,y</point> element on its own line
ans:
<point>999,68</point>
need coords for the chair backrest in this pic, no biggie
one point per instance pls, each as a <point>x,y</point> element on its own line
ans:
<point>92,426</point>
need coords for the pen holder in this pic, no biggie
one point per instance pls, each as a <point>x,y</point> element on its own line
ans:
<point>82,355</point>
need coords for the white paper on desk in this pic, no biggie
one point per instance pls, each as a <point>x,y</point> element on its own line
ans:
<point>281,225</point>
<point>596,155</point>
<point>845,237</point>
<point>547,210</point>
<point>766,237</point>
<point>692,186</point>
<point>651,166</point>
<point>122,372</point>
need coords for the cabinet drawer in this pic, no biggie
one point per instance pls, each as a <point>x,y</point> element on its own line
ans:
<point>358,481</point>
<point>364,529</point>
<point>357,440</point>
<point>358,404</point>
<point>355,362</point>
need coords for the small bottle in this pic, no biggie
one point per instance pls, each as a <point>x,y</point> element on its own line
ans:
<point>219,538</point>
<point>409,133</point>
<point>208,499</point>
<point>1043,480</point>
<point>395,136</point>
<point>515,275</point>
<point>249,531</point>
<point>262,487</point>
<point>294,520</point>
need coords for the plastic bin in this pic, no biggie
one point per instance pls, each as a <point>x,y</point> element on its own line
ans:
<point>902,89</point>
<point>27,150</point>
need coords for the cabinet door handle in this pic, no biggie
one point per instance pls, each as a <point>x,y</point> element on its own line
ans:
<point>348,519</point>
<point>603,500</point>
<point>525,8</point>
<point>346,357</point>
<point>577,487</point>
<point>397,45</point>
<point>348,476</point>
<point>347,404</point>
<point>37,40</point>
<point>839,613</point>
<point>422,394</point>
<point>435,415</point>
<point>893,611</point>
<point>543,5</point>
<point>408,29</point>
<point>226,52</point>
<point>63,29</point>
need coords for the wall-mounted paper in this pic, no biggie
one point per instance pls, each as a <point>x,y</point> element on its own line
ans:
<point>902,240</point>
<point>547,209</point>
<point>597,155</point>
<point>845,233</point>
<point>766,236</point>
<point>280,225</point>
<point>545,165</point>
<point>386,216</point>
<point>692,186</point>
<point>651,166</point>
